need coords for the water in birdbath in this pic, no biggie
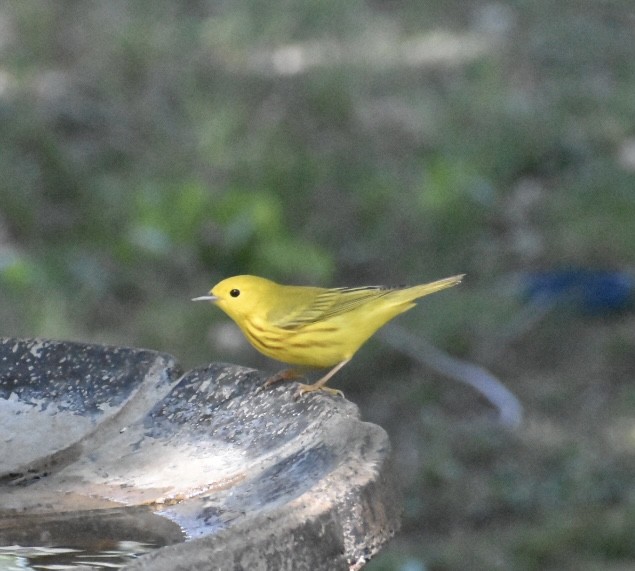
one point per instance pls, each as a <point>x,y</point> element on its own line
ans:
<point>95,556</point>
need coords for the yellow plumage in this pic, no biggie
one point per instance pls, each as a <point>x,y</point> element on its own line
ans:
<point>312,326</point>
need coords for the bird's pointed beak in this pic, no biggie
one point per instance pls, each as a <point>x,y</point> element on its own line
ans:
<point>211,298</point>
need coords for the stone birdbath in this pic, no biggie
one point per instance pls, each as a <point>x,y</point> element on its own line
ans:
<point>103,448</point>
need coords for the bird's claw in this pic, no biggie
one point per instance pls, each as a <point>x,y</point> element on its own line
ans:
<point>293,375</point>
<point>286,375</point>
<point>303,389</point>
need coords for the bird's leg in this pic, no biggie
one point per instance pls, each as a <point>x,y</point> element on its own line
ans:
<point>319,385</point>
<point>285,375</point>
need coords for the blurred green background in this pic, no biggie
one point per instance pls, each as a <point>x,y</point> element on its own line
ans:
<point>149,149</point>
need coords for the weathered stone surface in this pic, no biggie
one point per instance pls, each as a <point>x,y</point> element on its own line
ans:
<point>54,396</point>
<point>255,479</point>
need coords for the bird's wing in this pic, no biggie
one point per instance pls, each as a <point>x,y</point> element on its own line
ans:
<point>329,303</point>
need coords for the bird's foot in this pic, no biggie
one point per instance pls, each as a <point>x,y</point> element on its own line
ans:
<point>302,389</point>
<point>286,375</point>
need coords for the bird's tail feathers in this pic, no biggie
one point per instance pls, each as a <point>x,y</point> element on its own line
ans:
<point>415,292</point>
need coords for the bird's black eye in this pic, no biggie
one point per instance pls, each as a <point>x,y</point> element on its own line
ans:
<point>234,292</point>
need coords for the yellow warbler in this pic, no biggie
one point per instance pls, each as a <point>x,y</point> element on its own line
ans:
<point>312,326</point>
